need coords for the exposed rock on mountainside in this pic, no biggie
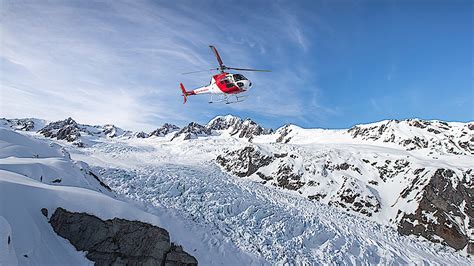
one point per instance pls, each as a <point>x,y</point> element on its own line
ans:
<point>244,162</point>
<point>283,133</point>
<point>238,127</point>
<point>71,131</point>
<point>248,160</point>
<point>164,130</point>
<point>110,131</point>
<point>445,213</point>
<point>25,124</point>
<point>141,135</point>
<point>352,183</point>
<point>413,175</point>
<point>224,122</point>
<point>415,134</point>
<point>62,130</point>
<point>118,241</point>
<point>192,131</point>
<point>354,195</point>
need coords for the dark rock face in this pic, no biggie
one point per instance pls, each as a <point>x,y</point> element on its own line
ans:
<point>287,178</point>
<point>243,162</point>
<point>284,131</point>
<point>445,206</point>
<point>110,131</point>
<point>23,124</point>
<point>249,160</point>
<point>118,241</point>
<point>44,211</point>
<point>240,128</point>
<point>224,122</point>
<point>192,130</point>
<point>248,129</point>
<point>70,131</point>
<point>164,130</point>
<point>141,135</point>
<point>62,130</point>
<point>178,257</point>
<point>390,169</point>
<point>446,140</point>
<point>354,196</point>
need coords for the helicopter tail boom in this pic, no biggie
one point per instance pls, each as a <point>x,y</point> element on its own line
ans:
<point>185,93</point>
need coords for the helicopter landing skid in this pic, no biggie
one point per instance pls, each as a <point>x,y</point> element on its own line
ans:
<point>228,99</point>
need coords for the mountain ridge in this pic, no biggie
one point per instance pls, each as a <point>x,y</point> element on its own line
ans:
<point>385,171</point>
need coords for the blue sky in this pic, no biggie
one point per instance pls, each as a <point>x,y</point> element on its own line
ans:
<point>334,63</point>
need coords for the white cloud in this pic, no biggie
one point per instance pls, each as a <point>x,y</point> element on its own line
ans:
<point>120,61</point>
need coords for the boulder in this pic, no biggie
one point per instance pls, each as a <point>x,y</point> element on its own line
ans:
<point>118,241</point>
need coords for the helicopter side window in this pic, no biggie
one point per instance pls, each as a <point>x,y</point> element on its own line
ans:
<point>229,85</point>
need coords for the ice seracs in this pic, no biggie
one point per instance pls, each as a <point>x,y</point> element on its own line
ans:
<point>301,195</point>
<point>39,181</point>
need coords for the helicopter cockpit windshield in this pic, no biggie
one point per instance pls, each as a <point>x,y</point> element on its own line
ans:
<point>238,77</point>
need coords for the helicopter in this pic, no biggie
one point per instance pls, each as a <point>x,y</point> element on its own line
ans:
<point>224,87</point>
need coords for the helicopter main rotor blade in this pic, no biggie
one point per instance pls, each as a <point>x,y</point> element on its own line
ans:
<point>218,57</point>
<point>249,69</point>
<point>199,71</point>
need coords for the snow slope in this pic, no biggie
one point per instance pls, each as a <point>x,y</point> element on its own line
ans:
<point>26,236</point>
<point>225,218</point>
<point>276,224</point>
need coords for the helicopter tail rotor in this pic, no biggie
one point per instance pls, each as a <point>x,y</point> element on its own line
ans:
<point>185,93</point>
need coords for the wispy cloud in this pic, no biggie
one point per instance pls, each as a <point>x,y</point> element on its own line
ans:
<point>119,61</point>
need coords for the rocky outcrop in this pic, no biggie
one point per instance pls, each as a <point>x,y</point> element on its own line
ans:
<point>442,198</point>
<point>283,132</point>
<point>118,241</point>
<point>244,162</point>
<point>224,122</point>
<point>24,124</point>
<point>416,134</point>
<point>445,213</point>
<point>192,131</point>
<point>250,160</point>
<point>141,135</point>
<point>110,131</point>
<point>164,130</point>
<point>62,130</point>
<point>248,129</point>
<point>237,127</point>
<point>355,196</point>
<point>70,131</point>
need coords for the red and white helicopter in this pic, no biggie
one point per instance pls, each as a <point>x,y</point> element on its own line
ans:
<point>226,86</point>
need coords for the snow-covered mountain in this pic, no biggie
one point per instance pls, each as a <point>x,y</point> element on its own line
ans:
<point>413,134</point>
<point>25,124</point>
<point>164,130</point>
<point>68,130</point>
<point>294,195</point>
<point>44,192</point>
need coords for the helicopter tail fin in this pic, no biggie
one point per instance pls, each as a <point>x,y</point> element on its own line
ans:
<point>185,93</point>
